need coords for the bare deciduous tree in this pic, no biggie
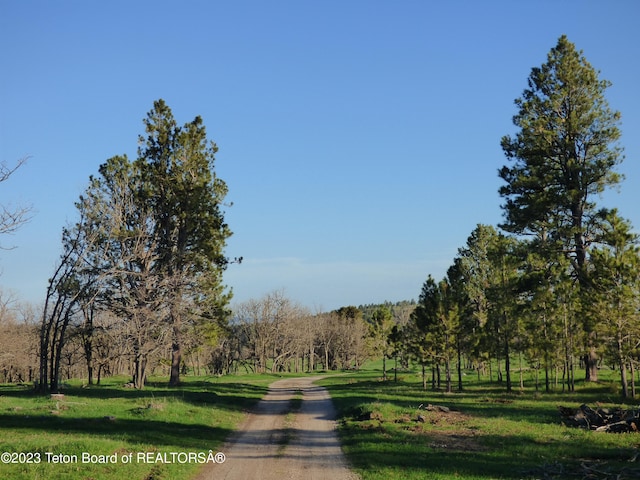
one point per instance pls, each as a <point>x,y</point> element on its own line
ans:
<point>274,333</point>
<point>125,256</point>
<point>18,338</point>
<point>12,217</point>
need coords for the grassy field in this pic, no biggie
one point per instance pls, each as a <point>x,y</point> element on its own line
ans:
<point>69,438</point>
<point>485,434</point>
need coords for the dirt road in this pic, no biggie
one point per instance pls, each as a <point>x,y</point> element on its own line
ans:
<point>276,442</point>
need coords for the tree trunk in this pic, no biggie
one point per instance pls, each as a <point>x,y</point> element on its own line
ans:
<point>54,379</point>
<point>547,378</point>
<point>569,352</point>
<point>572,376</point>
<point>395,369</point>
<point>45,332</point>
<point>507,362</point>
<point>139,367</point>
<point>623,380</point>
<point>459,366</point>
<point>45,342</point>
<point>326,357</point>
<point>433,377</point>
<point>88,355</point>
<point>139,376</point>
<point>176,347</point>
<point>310,362</point>
<point>520,368</point>
<point>384,368</point>
<point>176,361</point>
<point>56,360</point>
<point>591,365</point>
<point>623,370</point>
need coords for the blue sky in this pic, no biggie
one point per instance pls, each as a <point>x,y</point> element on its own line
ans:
<point>360,139</point>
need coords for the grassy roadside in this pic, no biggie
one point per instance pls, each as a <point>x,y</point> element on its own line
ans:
<point>389,432</point>
<point>486,434</point>
<point>108,432</point>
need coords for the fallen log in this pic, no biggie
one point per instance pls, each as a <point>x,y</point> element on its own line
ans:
<point>625,426</point>
<point>616,420</point>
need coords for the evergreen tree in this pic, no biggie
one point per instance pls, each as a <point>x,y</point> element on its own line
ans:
<point>437,322</point>
<point>187,199</point>
<point>477,271</point>
<point>616,265</point>
<point>379,334</point>
<point>424,332</point>
<point>563,155</point>
<point>504,298</point>
<point>461,314</point>
<point>548,312</point>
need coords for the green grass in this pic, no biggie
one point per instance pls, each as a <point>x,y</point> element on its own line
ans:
<point>110,420</point>
<point>488,434</point>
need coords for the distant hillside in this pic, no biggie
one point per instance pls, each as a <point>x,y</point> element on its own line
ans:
<point>400,310</point>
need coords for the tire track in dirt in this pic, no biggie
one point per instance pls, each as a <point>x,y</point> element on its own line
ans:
<point>271,445</point>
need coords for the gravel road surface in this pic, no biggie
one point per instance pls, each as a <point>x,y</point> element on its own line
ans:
<point>276,442</point>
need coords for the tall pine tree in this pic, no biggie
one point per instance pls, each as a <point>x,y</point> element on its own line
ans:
<point>563,155</point>
<point>187,199</point>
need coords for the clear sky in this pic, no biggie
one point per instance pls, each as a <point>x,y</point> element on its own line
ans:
<point>360,139</point>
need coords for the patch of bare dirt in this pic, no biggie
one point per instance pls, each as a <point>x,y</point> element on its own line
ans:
<point>460,437</point>
<point>459,440</point>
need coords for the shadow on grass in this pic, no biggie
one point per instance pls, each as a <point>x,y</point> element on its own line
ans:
<point>461,447</point>
<point>486,401</point>
<point>426,463</point>
<point>113,418</point>
<point>153,432</point>
<point>233,395</point>
<point>515,456</point>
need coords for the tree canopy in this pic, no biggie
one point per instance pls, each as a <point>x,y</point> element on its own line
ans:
<point>563,155</point>
<point>149,244</point>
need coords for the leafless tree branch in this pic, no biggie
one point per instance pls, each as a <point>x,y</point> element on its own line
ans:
<point>12,218</point>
